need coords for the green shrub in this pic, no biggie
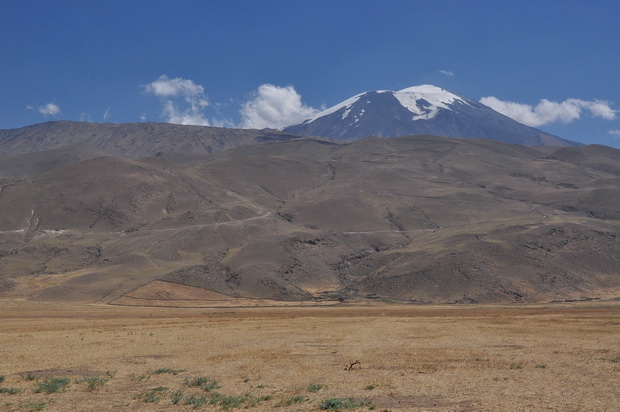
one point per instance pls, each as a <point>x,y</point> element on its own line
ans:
<point>315,387</point>
<point>168,370</point>
<point>92,382</point>
<point>293,400</point>
<point>203,382</point>
<point>333,404</point>
<point>10,391</point>
<point>176,397</point>
<point>52,385</point>
<point>153,395</point>
<point>195,402</point>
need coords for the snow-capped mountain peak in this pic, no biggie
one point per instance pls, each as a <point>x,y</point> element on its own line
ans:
<point>424,109</point>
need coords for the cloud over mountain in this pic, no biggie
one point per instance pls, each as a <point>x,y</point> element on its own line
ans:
<point>274,107</point>
<point>546,111</point>
<point>183,100</point>
<point>50,109</point>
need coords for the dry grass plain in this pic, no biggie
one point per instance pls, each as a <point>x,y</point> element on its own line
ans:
<point>563,357</point>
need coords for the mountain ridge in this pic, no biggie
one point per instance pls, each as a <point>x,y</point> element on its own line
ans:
<point>416,219</point>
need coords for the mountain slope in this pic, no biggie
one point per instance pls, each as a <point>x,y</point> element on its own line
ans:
<point>422,109</point>
<point>134,140</point>
<point>420,219</point>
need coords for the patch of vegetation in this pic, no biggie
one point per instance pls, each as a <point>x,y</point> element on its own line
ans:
<point>293,400</point>
<point>541,366</point>
<point>517,365</point>
<point>334,404</point>
<point>30,376</point>
<point>52,385</point>
<point>168,370</point>
<point>143,377</point>
<point>153,395</point>
<point>34,406</point>
<point>176,397</point>
<point>616,359</point>
<point>10,391</point>
<point>1,378</point>
<point>92,382</point>
<point>196,402</point>
<point>370,387</point>
<point>203,382</point>
<point>231,401</point>
<point>315,387</point>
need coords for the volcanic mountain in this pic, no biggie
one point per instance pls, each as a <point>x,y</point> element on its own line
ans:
<point>422,109</point>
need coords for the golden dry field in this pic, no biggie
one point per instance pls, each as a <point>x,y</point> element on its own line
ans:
<point>63,357</point>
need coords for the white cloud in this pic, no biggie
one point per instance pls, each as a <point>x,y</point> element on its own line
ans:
<point>106,114</point>
<point>50,109</point>
<point>274,107</point>
<point>546,111</point>
<point>446,72</point>
<point>615,133</point>
<point>183,100</point>
<point>189,116</point>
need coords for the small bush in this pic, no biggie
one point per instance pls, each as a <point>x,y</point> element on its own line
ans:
<point>315,387</point>
<point>52,385</point>
<point>92,382</point>
<point>1,378</point>
<point>34,406</point>
<point>153,395</point>
<point>230,402</point>
<point>168,370</point>
<point>293,400</point>
<point>176,397</point>
<point>203,382</point>
<point>10,391</point>
<point>334,404</point>
<point>30,376</point>
<point>195,402</point>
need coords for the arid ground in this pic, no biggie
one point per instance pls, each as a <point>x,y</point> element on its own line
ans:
<point>72,357</point>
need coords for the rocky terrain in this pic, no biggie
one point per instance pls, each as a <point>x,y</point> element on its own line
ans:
<point>414,219</point>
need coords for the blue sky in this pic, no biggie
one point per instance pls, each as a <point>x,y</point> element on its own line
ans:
<point>247,63</point>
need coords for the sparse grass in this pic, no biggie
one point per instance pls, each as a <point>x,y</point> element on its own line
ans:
<point>29,376</point>
<point>10,391</point>
<point>231,401</point>
<point>143,377</point>
<point>34,406</point>
<point>176,397</point>
<point>153,395</point>
<point>334,404</point>
<point>52,385</point>
<point>203,382</point>
<point>195,401</point>
<point>92,382</point>
<point>315,387</point>
<point>167,370</point>
<point>441,360</point>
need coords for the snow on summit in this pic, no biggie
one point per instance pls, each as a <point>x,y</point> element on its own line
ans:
<point>436,98</point>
